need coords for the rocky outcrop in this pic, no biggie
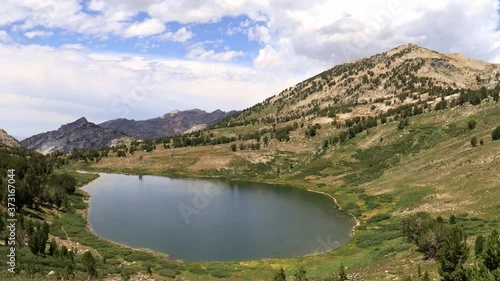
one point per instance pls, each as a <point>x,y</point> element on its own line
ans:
<point>8,140</point>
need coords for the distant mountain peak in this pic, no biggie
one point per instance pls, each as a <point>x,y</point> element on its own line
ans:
<point>172,123</point>
<point>78,122</point>
<point>77,134</point>
<point>173,112</point>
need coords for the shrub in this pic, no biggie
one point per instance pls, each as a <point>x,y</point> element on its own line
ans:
<point>495,135</point>
<point>473,141</point>
<point>471,124</point>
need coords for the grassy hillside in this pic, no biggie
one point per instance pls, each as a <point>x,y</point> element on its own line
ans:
<point>379,176</point>
<point>387,136</point>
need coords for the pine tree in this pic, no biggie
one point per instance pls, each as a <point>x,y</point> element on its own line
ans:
<point>52,247</point>
<point>280,275</point>
<point>452,255</point>
<point>473,141</point>
<point>89,264</point>
<point>491,251</point>
<point>342,276</point>
<point>300,274</point>
<point>495,135</point>
<point>478,246</point>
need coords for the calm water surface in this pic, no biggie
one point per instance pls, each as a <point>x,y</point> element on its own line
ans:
<point>214,220</point>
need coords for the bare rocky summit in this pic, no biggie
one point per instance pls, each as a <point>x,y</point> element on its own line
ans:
<point>78,134</point>
<point>172,123</point>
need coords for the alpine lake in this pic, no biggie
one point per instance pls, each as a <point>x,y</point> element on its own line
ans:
<point>215,220</point>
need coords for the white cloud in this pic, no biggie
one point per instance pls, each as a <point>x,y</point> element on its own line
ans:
<point>37,33</point>
<point>259,33</point>
<point>201,11</point>
<point>297,39</point>
<point>145,28</point>
<point>73,46</point>
<point>64,84</point>
<point>198,52</point>
<point>181,35</point>
<point>4,37</point>
<point>320,30</point>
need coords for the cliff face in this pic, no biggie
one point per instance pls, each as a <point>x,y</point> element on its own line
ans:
<point>78,134</point>
<point>175,122</point>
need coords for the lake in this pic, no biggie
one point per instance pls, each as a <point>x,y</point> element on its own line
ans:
<point>215,220</point>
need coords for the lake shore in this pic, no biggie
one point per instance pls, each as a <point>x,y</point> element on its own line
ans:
<point>340,208</point>
<point>89,228</point>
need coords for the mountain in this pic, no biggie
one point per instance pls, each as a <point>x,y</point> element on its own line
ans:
<point>387,136</point>
<point>172,123</point>
<point>405,75</point>
<point>8,140</point>
<point>78,134</point>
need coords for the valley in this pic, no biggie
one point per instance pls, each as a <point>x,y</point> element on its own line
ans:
<point>389,136</point>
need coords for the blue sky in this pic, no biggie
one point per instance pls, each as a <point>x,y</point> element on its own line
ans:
<point>63,59</point>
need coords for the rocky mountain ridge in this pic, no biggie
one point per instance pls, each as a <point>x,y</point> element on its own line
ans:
<point>78,134</point>
<point>83,134</point>
<point>172,123</point>
<point>8,140</point>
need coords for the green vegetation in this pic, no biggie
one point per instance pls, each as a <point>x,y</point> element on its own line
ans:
<point>495,135</point>
<point>398,159</point>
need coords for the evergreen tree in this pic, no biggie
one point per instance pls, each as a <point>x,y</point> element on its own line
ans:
<point>300,274</point>
<point>471,124</point>
<point>473,141</point>
<point>452,255</point>
<point>89,264</point>
<point>478,245</point>
<point>280,275</point>
<point>495,135</point>
<point>491,251</point>
<point>342,276</point>
<point>52,247</point>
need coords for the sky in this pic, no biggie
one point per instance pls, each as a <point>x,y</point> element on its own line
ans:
<point>64,59</point>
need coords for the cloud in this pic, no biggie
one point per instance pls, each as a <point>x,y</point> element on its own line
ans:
<point>319,30</point>
<point>37,33</point>
<point>193,11</point>
<point>4,37</point>
<point>145,28</point>
<point>64,84</point>
<point>181,35</point>
<point>296,39</point>
<point>198,52</point>
<point>259,33</point>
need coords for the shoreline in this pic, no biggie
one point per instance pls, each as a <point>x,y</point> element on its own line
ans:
<point>89,228</point>
<point>340,208</point>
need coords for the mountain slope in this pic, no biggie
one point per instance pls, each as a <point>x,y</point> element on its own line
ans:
<point>78,134</point>
<point>175,122</point>
<point>8,140</point>
<point>408,74</point>
<point>386,136</point>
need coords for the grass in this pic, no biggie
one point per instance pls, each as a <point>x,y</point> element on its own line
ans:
<point>430,167</point>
